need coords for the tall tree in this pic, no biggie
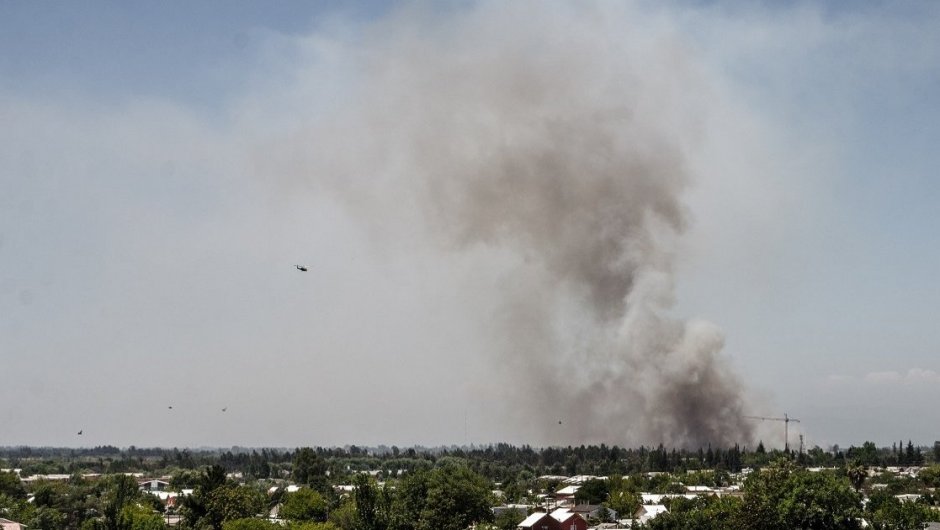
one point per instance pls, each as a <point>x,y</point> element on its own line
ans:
<point>304,505</point>
<point>783,497</point>
<point>230,502</point>
<point>457,497</point>
<point>367,504</point>
<point>195,508</point>
<point>122,491</point>
<point>409,500</point>
<point>593,491</point>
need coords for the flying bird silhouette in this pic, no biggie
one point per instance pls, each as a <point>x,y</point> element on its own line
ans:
<point>79,433</point>
<point>301,268</point>
<point>170,407</point>
<point>224,409</point>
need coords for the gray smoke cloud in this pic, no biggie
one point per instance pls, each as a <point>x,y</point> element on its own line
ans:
<point>554,139</point>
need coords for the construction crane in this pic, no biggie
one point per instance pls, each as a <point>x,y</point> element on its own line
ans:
<point>786,427</point>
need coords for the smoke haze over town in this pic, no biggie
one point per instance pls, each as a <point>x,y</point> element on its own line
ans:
<point>533,223</point>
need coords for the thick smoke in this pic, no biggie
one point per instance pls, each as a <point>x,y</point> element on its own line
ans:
<point>557,139</point>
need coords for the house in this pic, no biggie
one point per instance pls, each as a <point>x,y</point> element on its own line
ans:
<point>521,508</point>
<point>649,511</point>
<point>153,485</point>
<point>6,524</point>
<point>581,479</point>
<point>560,519</point>
<point>593,511</point>
<point>568,520</point>
<point>538,521</point>
<point>657,498</point>
<point>52,476</point>
<point>908,497</point>
<point>169,498</point>
<point>566,494</point>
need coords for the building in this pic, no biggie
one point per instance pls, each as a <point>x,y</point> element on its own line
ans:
<point>6,524</point>
<point>154,485</point>
<point>649,511</point>
<point>594,511</point>
<point>537,521</point>
<point>566,494</point>
<point>568,520</point>
<point>560,519</point>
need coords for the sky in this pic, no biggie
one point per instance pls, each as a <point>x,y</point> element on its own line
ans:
<point>164,166</point>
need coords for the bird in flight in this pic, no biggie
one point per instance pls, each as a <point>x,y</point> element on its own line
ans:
<point>80,433</point>
<point>301,268</point>
<point>170,407</point>
<point>224,409</point>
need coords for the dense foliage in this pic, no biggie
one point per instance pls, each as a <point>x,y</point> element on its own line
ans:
<point>451,488</point>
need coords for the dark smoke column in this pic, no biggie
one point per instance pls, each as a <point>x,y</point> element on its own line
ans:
<point>556,136</point>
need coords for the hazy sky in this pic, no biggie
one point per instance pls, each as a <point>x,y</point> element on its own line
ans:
<point>163,167</point>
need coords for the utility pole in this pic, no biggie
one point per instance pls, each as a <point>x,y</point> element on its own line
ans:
<point>786,429</point>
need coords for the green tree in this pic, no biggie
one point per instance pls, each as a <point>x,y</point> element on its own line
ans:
<point>366,498</point>
<point>304,505</point>
<point>11,486</point>
<point>122,491</point>
<point>250,524</point>
<point>456,498</point>
<point>783,497</point>
<point>230,502</point>
<point>930,476</point>
<point>345,516</point>
<point>701,513</point>
<point>309,469</point>
<point>16,509</point>
<point>410,498</point>
<point>313,526</point>
<point>592,491</point>
<point>47,518</point>
<point>509,519</point>
<point>66,505</point>
<point>887,512</point>
<point>195,508</point>
<point>857,475</point>
<point>141,518</point>
<point>866,455</point>
<point>623,497</point>
<point>184,478</point>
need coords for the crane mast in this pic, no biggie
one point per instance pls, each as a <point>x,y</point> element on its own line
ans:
<point>786,419</point>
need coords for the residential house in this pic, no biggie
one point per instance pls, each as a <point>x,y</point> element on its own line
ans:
<point>566,495</point>
<point>581,479</point>
<point>538,521</point>
<point>593,511</point>
<point>560,519</point>
<point>521,508</point>
<point>657,498</point>
<point>568,520</point>
<point>154,485</point>
<point>6,524</point>
<point>649,511</point>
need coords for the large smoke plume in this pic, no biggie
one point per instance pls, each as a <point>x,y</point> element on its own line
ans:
<point>557,139</point>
